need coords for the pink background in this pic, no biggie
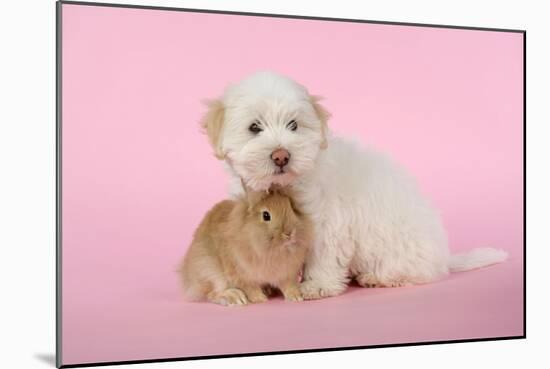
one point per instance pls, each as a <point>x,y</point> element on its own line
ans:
<point>138,176</point>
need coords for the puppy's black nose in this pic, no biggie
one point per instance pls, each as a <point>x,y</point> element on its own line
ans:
<point>280,157</point>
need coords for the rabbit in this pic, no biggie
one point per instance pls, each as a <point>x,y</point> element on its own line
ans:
<point>244,247</point>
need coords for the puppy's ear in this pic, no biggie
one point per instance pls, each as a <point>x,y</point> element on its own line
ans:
<point>323,116</point>
<point>212,123</point>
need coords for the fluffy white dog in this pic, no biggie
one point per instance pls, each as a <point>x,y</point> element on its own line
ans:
<point>371,222</point>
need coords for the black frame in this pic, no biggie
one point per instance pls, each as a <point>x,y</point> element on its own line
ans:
<point>59,125</point>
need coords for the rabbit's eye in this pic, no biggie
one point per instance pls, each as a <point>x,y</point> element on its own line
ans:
<point>266,216</point>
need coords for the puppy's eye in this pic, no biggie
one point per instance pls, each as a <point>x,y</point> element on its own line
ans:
<point>255,128</point>
<point>292,125</point>
<point>266,216</point>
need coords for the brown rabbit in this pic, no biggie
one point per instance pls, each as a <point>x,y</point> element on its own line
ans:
<point>242,246</point>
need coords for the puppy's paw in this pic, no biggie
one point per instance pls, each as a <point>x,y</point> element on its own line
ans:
<point>396,283</point>
<point>232,297</point>
<point>370,281</point>
<point>367,280</point>
<point>312,290</point>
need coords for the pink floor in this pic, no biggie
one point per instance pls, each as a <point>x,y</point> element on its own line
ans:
<point>475,304</point>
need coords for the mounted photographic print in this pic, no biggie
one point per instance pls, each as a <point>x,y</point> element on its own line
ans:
<point>239,184</point>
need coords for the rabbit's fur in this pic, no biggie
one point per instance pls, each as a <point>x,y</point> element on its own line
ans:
<point>236,252</point>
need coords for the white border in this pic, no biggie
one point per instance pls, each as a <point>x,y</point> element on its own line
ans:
<point>27,162</point>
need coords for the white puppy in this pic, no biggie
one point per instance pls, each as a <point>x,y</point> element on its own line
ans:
<point>371,222</point>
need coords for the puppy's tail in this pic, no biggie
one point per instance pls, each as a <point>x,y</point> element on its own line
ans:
<point>476,258</point>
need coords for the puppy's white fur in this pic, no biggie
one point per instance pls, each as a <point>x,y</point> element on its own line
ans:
<point>371,221</point>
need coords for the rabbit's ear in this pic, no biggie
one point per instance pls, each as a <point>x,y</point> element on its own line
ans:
<point>254,197</point>
<point>280,189</point>
<point>288,192</point>
<point>274,188</point>
<point>283,190</point>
